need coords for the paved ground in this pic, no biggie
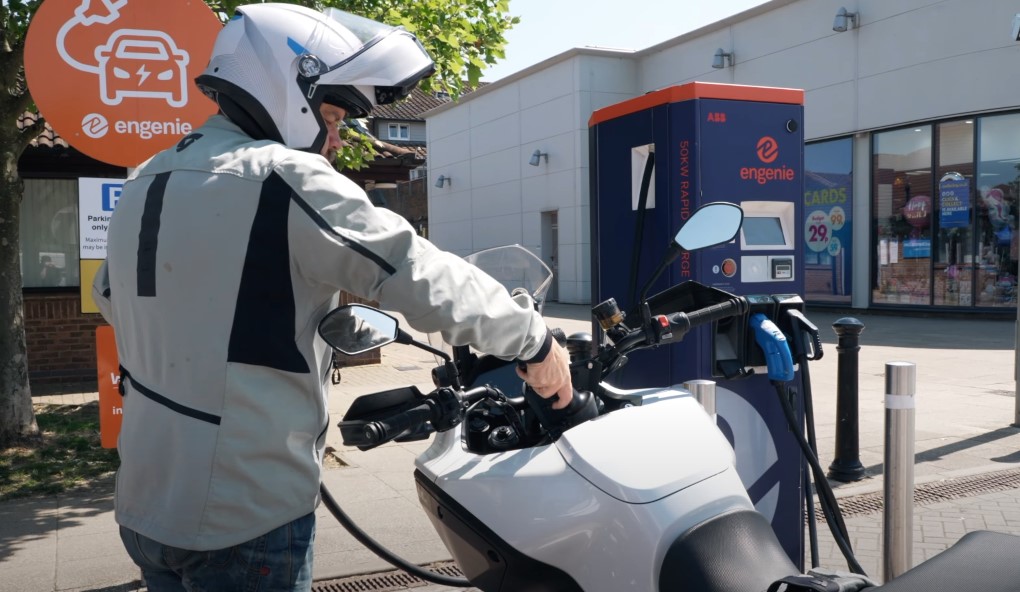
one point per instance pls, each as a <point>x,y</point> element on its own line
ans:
<point>965,408</point>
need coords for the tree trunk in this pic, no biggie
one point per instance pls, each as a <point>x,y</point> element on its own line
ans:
<point>17,419</point>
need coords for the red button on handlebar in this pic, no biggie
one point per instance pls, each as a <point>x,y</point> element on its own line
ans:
<point>663,321</point>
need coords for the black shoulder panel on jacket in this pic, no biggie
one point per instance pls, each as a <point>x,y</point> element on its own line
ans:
<point>148,235</point>
<point>264,317</point>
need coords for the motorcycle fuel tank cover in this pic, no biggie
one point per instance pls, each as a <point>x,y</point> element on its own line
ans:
<point>642,454</point>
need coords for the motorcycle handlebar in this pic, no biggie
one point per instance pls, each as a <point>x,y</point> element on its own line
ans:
<point>683,322</point>
<point>442,409</point>
<point>390,428</point>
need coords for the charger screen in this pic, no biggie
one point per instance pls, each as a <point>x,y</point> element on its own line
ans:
<point>763,232</point>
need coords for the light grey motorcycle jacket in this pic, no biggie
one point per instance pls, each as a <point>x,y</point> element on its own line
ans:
<point>223,255</point>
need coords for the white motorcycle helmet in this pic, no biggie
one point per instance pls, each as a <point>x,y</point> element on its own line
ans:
<point>273,65</point>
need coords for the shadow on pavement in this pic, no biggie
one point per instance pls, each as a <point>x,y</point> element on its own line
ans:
<point>25,522</point>
<point>882,329</point>
<point>129,587</point>
<point>920,332</point>
<point>940,452</point>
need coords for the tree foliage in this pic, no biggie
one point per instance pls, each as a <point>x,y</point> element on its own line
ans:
<point>462,36</point>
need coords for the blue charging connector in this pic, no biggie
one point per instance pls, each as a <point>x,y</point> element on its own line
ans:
<point>778,358</point>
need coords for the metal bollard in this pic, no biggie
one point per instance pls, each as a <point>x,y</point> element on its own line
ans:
<point>846,466</point>
<point>898,513</point>
<point>704,393</point>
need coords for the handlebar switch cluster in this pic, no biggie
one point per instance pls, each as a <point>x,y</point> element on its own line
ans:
<point>445,409</point>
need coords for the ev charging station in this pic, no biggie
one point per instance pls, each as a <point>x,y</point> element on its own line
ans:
<point>654,160</point>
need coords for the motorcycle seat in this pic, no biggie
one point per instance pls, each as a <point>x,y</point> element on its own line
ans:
<point>982,561</point>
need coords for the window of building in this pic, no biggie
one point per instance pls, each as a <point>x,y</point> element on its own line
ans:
<point>953,248</point>
<point>995,210</point>
<point>399,131</point>
<point>828,227</point>
<point>49,233</point>
<point>945,213</point>
<point>902,216</point>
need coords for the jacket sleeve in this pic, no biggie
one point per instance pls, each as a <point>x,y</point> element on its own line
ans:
<point>101,292</point>
<point>345,242</point>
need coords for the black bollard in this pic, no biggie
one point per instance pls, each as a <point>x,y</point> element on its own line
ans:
<point>847,464</point>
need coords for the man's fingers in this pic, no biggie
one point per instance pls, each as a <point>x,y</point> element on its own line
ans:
<point>566,393</point>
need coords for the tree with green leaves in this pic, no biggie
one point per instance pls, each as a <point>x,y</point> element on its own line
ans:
<point>463,37</point>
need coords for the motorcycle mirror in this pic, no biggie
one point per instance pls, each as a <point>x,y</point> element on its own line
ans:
<point>355,329</point>
<point>712,224</point>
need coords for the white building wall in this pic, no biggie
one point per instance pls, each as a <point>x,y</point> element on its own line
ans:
<point>907,61</point>
<point>484,144</point>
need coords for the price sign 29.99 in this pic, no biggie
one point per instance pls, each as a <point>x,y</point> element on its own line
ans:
<point>819,228</point>
<point>817,231</point>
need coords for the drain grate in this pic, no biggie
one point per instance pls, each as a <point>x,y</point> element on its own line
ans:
<point>390,581</point>
<point>935,492</point>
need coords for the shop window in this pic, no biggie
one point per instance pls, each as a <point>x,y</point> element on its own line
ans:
<point>995,211</point>
<point>902,211</point>
<point>953,247</point>
<point>828,227</point>
<point>49,233</point>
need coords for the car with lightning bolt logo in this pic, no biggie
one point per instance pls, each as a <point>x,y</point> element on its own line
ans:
<point>142,63</point>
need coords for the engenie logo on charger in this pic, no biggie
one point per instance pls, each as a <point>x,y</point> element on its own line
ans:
<point>767,149</point>
<point>96,126</point>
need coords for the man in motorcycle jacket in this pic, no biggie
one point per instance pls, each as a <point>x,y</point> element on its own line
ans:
<point>224,253</point>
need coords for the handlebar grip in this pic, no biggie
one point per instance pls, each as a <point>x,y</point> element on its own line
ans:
<point>373,433</point>
<point>581,408</point>
<point>716,312</point>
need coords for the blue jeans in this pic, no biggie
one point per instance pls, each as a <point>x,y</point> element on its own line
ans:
<point>280,560</point>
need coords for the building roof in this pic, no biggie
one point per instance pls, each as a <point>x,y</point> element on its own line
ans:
<point>47,139</point>
<point>416,104</point>
<point>411,108</point>
<point>406,152</point>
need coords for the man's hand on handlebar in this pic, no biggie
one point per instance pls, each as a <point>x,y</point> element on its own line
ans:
<point>551,376</point>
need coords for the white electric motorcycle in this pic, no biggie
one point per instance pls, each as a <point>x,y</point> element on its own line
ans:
<point>625,490</point>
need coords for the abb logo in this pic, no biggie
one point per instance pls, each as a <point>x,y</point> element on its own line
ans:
<point>767,150</point>
<point>717,117</point>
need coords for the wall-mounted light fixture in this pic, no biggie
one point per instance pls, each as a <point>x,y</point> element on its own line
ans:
<point>722,59</point>
<point>844,20</point>
<point>536,157</point>
<point>443,180</point>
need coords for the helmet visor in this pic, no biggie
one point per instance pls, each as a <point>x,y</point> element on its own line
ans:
<point>362,28</point>
<point>358,33</point>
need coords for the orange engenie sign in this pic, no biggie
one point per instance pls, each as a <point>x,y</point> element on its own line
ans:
<point>115,78</point>
<point>111,410</point>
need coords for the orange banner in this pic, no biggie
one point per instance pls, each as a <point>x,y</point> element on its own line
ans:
<point>111,403</point>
